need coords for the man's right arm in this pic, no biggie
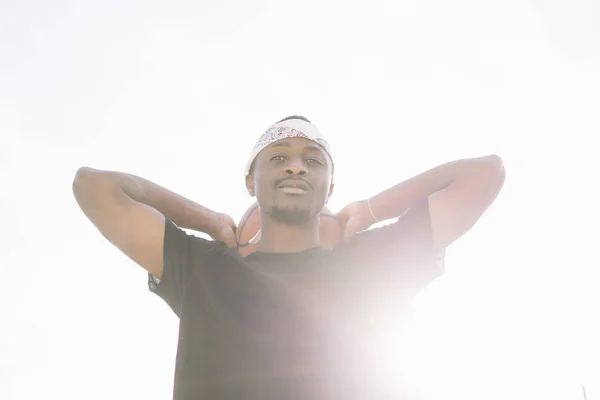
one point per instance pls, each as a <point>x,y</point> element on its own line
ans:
<point>130,212</point>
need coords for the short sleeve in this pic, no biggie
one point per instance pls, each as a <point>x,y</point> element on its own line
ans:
<point>182,253</point>
<point>400,256</point>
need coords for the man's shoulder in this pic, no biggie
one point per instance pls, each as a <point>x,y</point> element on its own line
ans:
<point>191,250</point>
<point>197,241</point>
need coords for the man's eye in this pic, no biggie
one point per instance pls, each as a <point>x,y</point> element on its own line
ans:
<point>277,158</point>
<point>314,161</point>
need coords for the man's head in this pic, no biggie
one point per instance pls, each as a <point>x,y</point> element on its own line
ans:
<point>290,171</point>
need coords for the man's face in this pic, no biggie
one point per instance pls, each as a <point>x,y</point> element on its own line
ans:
<point>291,179</point>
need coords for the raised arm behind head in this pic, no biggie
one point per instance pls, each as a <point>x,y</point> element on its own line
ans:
<point>130,212</point>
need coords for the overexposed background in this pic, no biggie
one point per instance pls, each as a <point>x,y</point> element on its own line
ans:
<point>177,92</point>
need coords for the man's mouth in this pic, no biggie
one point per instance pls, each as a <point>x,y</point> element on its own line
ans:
<point>293,186</point>
<point>292,190</point>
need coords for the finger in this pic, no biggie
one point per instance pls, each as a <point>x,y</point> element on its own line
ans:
<point>230,240</point>
<point>342,221</point>
<point>351,228</point>
<point>227,236</point>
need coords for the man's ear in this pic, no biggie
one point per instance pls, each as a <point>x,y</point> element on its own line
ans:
<point>250,184</point>
<point>330,192</point>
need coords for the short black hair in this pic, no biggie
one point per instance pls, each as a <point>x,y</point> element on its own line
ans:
<point>294,117</point>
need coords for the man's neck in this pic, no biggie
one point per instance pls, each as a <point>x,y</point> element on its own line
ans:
<point>278,237</point>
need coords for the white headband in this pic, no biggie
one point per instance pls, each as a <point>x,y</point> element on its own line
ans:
<point>288,129</point>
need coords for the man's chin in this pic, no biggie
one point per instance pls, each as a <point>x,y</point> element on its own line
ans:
<point>292,215</point>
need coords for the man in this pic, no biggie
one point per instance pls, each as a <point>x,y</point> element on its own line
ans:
<point>292,320</point>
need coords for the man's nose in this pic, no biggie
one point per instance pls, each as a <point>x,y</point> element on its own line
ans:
<point>295,167</point>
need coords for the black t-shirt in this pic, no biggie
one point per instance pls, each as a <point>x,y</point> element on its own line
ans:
<point>289,326</point>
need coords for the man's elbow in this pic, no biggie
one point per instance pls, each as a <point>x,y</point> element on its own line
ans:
<point>83,175</point>
<point>481,182</point>
<point>84,181</point>
<point>79,177</point>
<point>491,172</point>
<point>493,164</point>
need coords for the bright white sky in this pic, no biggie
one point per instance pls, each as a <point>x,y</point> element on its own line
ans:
<point>178,92</point>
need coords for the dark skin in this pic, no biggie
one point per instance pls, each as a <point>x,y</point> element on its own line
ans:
<point>458,192</point>
<point>130,211</point>
<point>290,220</point>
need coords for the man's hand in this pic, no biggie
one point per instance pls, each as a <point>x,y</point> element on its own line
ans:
<point>354,218</point>
<point>225,230</point>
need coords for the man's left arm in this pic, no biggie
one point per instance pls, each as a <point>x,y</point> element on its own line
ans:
<point>458,193</point>
<point>455,209</point>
